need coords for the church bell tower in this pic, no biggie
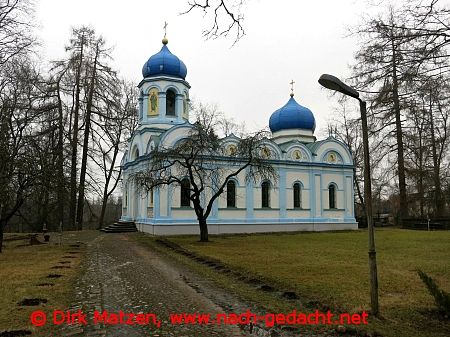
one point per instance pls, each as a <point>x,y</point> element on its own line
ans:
<point>164,92</point>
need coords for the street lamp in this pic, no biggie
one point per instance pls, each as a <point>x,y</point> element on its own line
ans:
<point>333,83</point>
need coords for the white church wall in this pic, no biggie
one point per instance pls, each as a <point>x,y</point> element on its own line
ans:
<point>350,196</point>
<point>297,176</point>
<point>183,213</point>
<point>163,201</point>
<point>229,213</point>
<point>193,229</point>
<point>317,195</point>
<point>298,213</point>
<point>328,178</point>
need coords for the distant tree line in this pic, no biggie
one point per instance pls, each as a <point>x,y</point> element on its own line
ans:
<point>63,124</point>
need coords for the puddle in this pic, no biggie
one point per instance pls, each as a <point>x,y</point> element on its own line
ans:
<point>32,301</point>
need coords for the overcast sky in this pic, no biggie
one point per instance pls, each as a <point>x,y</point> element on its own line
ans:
<point>284,40</point>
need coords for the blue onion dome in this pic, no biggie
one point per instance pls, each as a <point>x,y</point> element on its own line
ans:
<point>164,63</point>
<point>292,116</point>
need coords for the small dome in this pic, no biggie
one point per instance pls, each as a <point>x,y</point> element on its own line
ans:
<point>164,63</point>
<point>292,116</point>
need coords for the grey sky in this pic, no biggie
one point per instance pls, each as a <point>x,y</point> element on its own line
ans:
<point>284,40</point>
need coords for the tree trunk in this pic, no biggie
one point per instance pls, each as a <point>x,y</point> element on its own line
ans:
<point>399,133</point>
<point>60,158</point>
<point>73,167</point>
<point>203,230</point>
<point>107,193</point>
<point>80,204</point>
<point>103,211</point>
<point>436,168</point>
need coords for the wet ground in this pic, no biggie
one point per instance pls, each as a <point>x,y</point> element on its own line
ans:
<point>121,275</point>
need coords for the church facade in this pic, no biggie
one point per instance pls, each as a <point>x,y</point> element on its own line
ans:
<point>314,191</point>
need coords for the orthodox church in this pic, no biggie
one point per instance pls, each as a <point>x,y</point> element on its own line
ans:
<point>314,191</point>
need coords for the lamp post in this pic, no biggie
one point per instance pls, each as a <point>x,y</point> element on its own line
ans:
<point>333,83</point>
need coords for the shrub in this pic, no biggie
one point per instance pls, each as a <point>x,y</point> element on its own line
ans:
<point>441,298</point>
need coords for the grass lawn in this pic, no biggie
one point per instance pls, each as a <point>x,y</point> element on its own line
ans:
<point>23,274</point>
<point>332,268</point>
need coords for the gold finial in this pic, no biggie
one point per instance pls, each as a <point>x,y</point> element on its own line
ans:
<point>164,40</point>
<point>292,88</point>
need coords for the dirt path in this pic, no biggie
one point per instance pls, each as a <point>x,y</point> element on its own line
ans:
<point>121,275</point>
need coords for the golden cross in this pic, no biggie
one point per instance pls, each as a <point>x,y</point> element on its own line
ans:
<point>165,28</point>
<point>292,87</point>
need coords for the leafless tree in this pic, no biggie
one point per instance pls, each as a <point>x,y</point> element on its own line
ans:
<point>109,135</point>
<point>202,158</point>
<point>16,26</point>
<point>226,17</point>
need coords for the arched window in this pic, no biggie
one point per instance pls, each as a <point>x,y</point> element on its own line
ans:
<point>150,198</point>
<point>135,153</point>
<point>297,195</point>
<point>170,102</point>
<point>332,196</point>
<point>185,193</point>
<point>265,194</point>
<point>231,194</point>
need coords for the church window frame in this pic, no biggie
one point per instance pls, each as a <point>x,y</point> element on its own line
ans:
<point>135,153</point>
<point>332,200</point>
<point>150,197</point>
<point>265,194</point>
<point>171,99</point>
<point>185,193</point>
<point>297,195</point>
<point>231,194</point>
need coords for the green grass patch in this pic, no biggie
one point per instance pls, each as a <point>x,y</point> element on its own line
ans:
<point>23,274</point>
<point>332,268</point>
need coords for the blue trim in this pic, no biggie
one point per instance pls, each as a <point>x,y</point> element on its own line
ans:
<point>156,204</point>
<point>332,150</point>
<point>282,193</point>
<point>312,196</point>
<point>163,78</point>
<point>239,221</point>
<point>249,199</point>
<point>169,200</point>
<point>281,162</point>
<point>320,206</point>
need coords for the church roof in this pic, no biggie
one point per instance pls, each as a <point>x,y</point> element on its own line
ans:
<point>164,63</point>
<point>292,116</point>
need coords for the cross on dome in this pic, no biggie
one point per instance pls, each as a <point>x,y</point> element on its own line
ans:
<point>165,40</point>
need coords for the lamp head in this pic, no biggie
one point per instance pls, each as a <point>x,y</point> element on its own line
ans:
<point>334,83</point>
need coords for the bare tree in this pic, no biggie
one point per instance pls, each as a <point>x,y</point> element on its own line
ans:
<point>22,103</point>
<point>16,26</point>
<point>209,166</point>
<point>109,136</point>
<point>225,15</point>
<point>100,78</point>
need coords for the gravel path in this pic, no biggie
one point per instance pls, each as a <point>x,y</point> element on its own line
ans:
<point>122,275</point>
